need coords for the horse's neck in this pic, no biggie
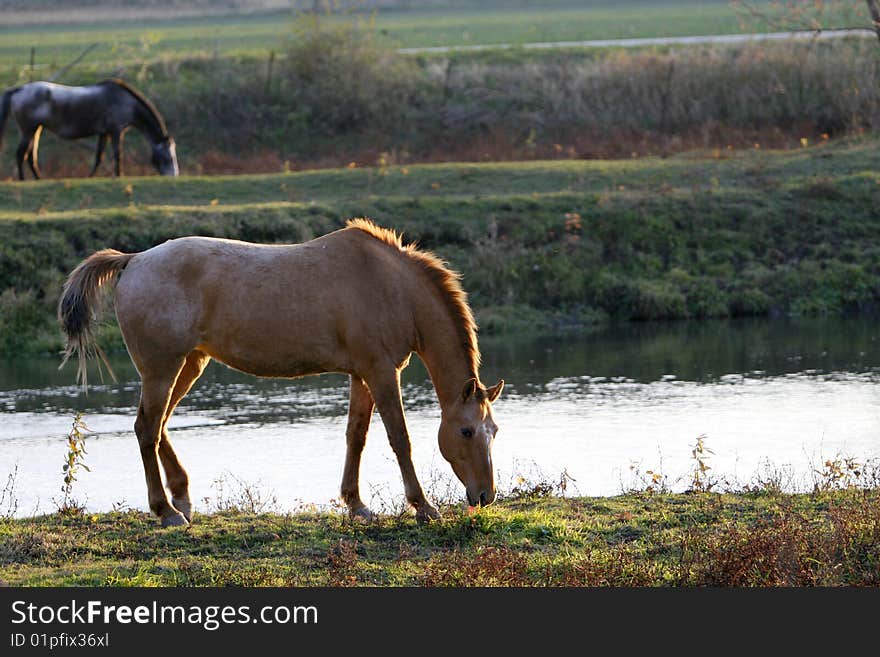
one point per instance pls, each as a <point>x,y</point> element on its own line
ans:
<point>444,355</point>
<point>146,122</point>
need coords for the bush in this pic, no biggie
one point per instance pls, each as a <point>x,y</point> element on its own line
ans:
<point>22,317</point>
<point>345,80</point>
<point>640,299</point>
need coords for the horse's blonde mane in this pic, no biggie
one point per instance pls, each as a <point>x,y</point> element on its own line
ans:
<point>447,281</point>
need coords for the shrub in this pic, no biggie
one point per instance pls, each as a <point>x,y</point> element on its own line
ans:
<point>345,80</point>
<point>21,317</point>
<point>640,299</point>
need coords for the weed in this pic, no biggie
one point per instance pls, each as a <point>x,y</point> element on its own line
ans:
<point>73,463</point>
<point>838,473</point>
<point>233,495</point>
<point>771,480</point>
<point>8,499</point>
<point>649,481</point>
<point>789,548</point>
<point>700,480</point>
<point>342,560</point>
<point>537,485</point>
<point>618,566</point>
<point>486,566</point>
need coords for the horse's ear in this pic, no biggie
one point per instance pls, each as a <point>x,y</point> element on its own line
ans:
<point>493,392</point>
<point>470,387</point>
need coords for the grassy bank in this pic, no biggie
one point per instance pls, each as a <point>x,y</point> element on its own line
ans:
<point>540,244</point>
<point>829,538</point>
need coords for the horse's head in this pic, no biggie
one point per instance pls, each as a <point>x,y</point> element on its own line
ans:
<point>165,157</point>
<point>467,431</point>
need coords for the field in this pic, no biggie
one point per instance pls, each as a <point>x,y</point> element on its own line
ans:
<point>403,27</point>
<point>724,171</point>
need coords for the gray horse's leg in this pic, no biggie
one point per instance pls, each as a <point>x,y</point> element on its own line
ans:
<point>33,151</point>
<point>116,139</point>
<point>30,138</point>
<point>19,157</point>
<point>21,152</point>
<point>99,152</point>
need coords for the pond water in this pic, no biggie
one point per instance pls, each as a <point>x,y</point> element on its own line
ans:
<point>772,398</point>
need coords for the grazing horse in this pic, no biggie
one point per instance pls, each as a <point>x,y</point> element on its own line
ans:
<point>106,109</point>
<point>356,301</point>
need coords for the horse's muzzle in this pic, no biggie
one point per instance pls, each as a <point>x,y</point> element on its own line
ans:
<point>485,498</point>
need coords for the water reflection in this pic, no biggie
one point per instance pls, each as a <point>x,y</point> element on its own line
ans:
<point>706,352</point>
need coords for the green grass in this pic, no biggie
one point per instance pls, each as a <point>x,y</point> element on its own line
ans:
<point>599,20</point>
<point>845,163</point>
<point>638,539</point>
<point>58,44</point>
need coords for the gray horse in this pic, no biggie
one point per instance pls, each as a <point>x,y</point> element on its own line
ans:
<point>106,109</point>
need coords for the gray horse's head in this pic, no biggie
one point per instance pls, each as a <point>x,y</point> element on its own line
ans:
<point>165,157</point>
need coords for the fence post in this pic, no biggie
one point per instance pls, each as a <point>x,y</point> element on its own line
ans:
<point>269,71</point>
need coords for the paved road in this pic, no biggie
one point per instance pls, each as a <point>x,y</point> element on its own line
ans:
<point>653,41</point>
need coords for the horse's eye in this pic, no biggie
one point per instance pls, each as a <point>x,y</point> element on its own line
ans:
<point>467,432</point>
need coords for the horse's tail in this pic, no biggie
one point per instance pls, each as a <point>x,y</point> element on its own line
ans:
<point>5,102</point>
<point>78,308</point>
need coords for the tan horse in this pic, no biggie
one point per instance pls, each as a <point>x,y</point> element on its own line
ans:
<point>355,301</point>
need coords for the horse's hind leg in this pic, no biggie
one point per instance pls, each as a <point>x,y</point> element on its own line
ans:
<point>360,410</point>
<point>33,153</point>
<point>175,475</point>
<point>29,136</point>
<point>385,388</point>
<point>156,387</point>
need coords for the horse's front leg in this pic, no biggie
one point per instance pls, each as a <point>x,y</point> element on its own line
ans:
<point>116,140</point>
<point>99,153</point>
<point>22,153</point>
<point>19,158</point>
<point>385,389</point>
<point>360,410</point>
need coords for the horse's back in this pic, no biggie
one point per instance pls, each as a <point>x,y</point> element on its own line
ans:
<point>70,112</point>
<point>272,310</point>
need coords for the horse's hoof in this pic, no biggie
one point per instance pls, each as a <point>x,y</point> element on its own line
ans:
<point>364,515</point>
<point>427,513</point>
<point>184,507</point>
<point>177,520</point>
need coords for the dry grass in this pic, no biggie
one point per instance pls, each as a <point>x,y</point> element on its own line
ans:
<point>790,548</point>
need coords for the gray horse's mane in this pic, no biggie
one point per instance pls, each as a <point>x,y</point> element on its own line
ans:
<point>141,99</point>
